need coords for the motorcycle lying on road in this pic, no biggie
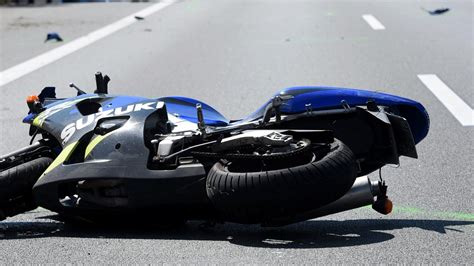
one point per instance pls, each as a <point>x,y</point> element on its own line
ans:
<point>304,154</point>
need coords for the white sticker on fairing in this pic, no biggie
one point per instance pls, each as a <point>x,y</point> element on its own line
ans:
<point>86,121</point>
<point>181,125</point>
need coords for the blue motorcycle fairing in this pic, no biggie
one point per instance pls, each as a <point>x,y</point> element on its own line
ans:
<point>326,98</point>
<point>320,98</point>
<point>185,108</point>
<point>28,119</point>
<point>109,103</point>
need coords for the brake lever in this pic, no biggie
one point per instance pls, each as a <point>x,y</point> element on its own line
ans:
<point>79,91</point>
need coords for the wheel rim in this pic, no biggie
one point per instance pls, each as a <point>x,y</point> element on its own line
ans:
<point>301,155</point>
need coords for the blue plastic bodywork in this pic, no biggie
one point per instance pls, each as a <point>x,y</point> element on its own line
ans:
<point>110,103</point>
<point>327,98</point>
<point>320,98</point>
<point>29,118</point>
<point>185,108</point>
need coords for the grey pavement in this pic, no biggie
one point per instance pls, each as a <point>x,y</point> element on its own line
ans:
<point>23,29</point>
<point>234,55</point>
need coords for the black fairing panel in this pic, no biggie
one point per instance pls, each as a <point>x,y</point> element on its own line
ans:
<point>122,154</point>
<point>368,134</point>
<point>68,120</point>
<point>145,188</point>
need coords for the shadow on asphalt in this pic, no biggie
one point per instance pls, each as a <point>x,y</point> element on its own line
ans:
<point>309,234</point>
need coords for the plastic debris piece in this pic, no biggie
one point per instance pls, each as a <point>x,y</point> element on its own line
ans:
<point>53,36</point>
<point>438,11</point>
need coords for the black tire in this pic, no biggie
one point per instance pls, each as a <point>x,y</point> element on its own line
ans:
<point>16,184</point>
<point>256,197</point>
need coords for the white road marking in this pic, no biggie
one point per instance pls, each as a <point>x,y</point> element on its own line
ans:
<point>49,57</point>
<point>373,22</point>
<point>463,112</point>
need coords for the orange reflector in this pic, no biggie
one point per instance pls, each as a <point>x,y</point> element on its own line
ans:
<point>383,206</point>
<point>388,206</point>
<point>32,99</point>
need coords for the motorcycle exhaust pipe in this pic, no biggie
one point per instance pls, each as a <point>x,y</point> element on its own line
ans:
<point>362,193</point>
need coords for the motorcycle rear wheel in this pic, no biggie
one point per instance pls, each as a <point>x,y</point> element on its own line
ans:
<point>256,197</point>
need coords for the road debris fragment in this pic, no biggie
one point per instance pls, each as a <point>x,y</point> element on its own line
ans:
<point>53,36</point>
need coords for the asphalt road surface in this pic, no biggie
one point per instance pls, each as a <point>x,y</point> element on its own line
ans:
<point>234,55</point>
